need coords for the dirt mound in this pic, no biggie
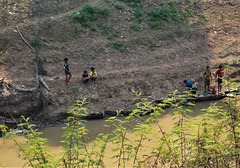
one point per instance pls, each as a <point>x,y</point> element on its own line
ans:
<point>154,61</point>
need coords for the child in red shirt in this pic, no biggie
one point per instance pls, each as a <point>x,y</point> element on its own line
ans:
<point>220,75</point>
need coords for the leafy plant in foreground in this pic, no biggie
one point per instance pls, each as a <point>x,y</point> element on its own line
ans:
<point>34,150</point>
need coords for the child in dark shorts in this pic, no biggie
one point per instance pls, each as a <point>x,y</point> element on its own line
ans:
<point>207,78</point>
<point>220,75</point>
<point>93,74</point>
<point>85,77</point>
<point>68,73</point>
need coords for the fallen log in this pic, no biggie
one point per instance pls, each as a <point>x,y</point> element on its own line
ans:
<point>209,98</point>
<point>44,83</point>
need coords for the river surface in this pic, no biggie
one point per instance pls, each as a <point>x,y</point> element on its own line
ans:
<point>9,152</point>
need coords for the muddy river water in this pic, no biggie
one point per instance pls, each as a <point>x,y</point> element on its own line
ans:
<point>9,153</point>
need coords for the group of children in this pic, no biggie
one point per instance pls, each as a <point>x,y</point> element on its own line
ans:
<point>207,79</point>
<point>191,84</point>
<point>85,77</point>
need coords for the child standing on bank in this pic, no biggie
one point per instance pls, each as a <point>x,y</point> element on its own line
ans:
<point>220,75</point>
<point>207,77</point>
<point>93,74</point>
<point>68,73</point>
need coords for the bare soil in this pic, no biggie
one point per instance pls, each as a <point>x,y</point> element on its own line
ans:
<point>155,62</point>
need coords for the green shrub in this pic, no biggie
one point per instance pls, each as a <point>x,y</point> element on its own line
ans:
<point>135,27</point>
<point>172,3</point>
<point>113,34</point>
<point>119,6</point>
<point>156,24</point>
<point>120,45</point>
<point>35,42</point>
<point>89,13</point>
<point>110,31</point>
<point>1,52</point>
<point>204,17</point>
<point>164,14</point>
<point>133,3</point>
<point>107,28</point>
<point>138,14</point>
<point>168,13</point>
<point>189,12</point>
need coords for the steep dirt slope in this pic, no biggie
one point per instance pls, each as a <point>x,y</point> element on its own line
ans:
<point>155,62</point>
<point>223,31</point>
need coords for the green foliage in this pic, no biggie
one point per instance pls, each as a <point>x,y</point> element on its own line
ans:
<point>133,3</point>
<point>204,17</point>
<point>110,31</point>
<point>3,130</point>
<point>168,14</point>
<point>189,13</point>
<point>119,45</point>
<point>113,34</point>
<point>135,27</point>
<point>156,24</point>
<point>35,42</point>
<point>172,3</point>
<point>34,150</point>
<point>89,13</point>
<point>107,28</point>
<point>138,14</point>
<point>1,52</point>
<point>118,6</point>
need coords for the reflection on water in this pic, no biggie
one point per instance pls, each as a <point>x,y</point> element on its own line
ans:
<point>9,152</point>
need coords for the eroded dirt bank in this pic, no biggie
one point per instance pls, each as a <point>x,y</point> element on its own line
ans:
<point>155,61</point>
